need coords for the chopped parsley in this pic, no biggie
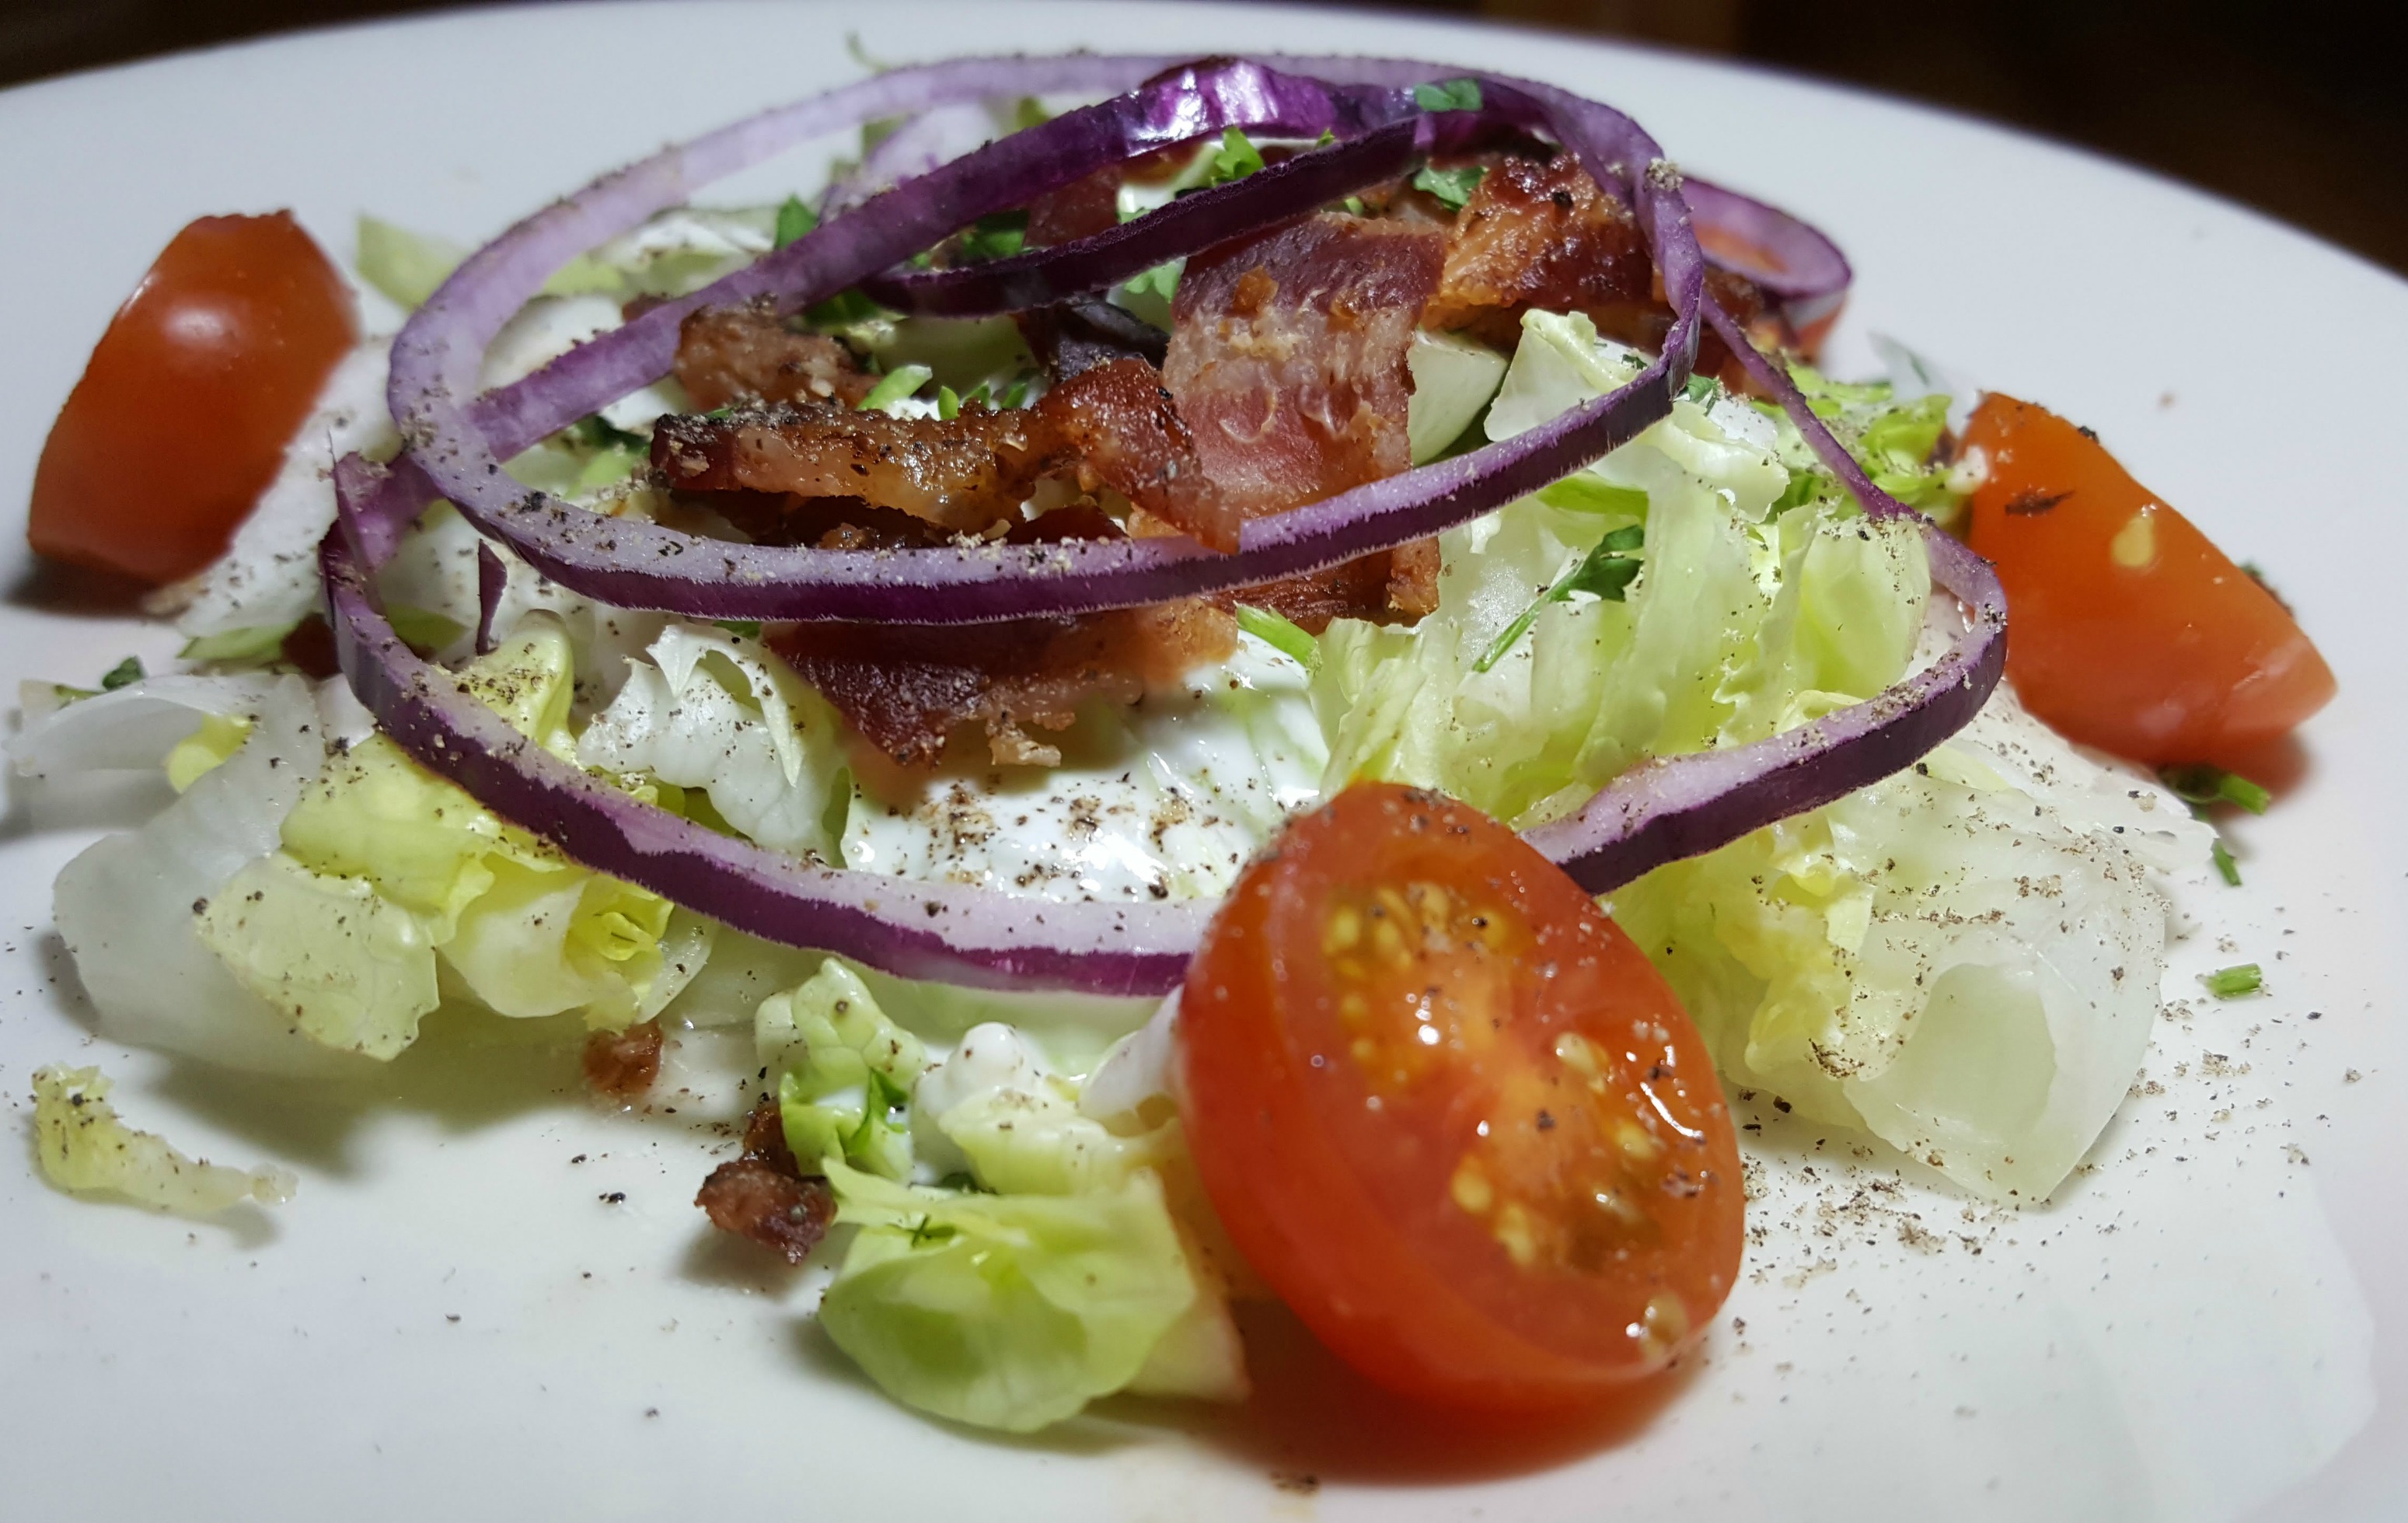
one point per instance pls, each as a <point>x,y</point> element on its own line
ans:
<point>998,236</point>
<point>1235,159</point>
<point>1279,634</point>
<point>902,381</point>
<point>2202,785</point>
<point>2234,981</point>
<point>1449,95</point>
<point>1604,572</point>
<point>1162,280</point>
<point>1701,389</point>
<point>1451,188</point>
<point>795,219</point>
<point>125,674</point>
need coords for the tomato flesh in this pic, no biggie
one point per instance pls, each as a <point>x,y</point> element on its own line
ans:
<point>184,410</point>
<point>2129,630</point>
<point>1451,1115</point>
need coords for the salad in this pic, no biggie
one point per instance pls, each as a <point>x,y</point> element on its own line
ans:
<point>1249,689</point>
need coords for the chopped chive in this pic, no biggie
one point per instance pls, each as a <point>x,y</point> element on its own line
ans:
<point>1354,205</point>
<point>998,236</point>
<point>1450,95</point>
<point>948,404</point>
<point>1017,394</point>
<point>1279,634</point>
<point>978,394</point>
<point>2200,786</point>
<point>1451,188</point>
<point>123,674</point>
<point>1583,493</point>
<point>2221,855</point>
<point>2234,981</point>
<point>795,219</point>
<point>903,381</point>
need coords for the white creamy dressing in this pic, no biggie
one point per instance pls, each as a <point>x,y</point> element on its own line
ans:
<point>1165,801</point>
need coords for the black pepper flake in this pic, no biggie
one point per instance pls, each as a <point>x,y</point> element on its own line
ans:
<point>2026,503</point>
<point>614,1197</point>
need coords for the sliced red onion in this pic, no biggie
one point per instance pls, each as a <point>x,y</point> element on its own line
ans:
<point>640,565</point>
<point>1041,277</point>
<point>1654,814</point>
<point>492,579</point>
<point>951,932</point>
<point>1789,259</point>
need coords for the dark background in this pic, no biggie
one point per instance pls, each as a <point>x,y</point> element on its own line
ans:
<point>2298,109</point>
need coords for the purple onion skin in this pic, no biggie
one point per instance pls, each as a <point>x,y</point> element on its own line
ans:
<point>1656,813</point>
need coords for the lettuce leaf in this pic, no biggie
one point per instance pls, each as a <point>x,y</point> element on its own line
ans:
<point>1008,1311</point>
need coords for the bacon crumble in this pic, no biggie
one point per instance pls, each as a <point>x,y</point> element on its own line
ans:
<point>764,1195</point>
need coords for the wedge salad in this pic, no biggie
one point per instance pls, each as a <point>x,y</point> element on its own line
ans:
<point>1257,678</point>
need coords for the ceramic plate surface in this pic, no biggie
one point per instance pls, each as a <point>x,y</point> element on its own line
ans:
<point>459,1317</point>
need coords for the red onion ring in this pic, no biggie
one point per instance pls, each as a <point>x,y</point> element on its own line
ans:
<point>1654,814</point>
<point>640,565</point>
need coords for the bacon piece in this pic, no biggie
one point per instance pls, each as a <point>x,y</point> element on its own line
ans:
<point>731,354</point>
<point>623,1064</point>
<point>1287,358</point>
<point>1110,427</point>
<point>764,1196</point>
<point>1542,234</point>
<point>906,688</point>
<point>1071,337</point>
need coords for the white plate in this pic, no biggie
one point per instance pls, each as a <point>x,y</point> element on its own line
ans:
<point>449,1322</point>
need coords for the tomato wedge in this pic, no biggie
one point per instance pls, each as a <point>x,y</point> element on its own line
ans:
<point>2130,631</point>
<point>1451,1115</point>
<point>184,410</point>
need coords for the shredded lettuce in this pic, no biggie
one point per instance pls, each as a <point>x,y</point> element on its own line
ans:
<point>845,1071</point>
<point>86,1149</point>
<point>1735,618</point>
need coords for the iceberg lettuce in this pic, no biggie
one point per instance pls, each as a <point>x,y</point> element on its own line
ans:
<point>1008,1311</point>
<point>86,1149</point>
<point>843,1070</point>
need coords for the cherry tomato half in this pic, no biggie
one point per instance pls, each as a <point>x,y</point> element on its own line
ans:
<point>2129,630</point>
<point>183,414</point>
<point>1451,1115</point>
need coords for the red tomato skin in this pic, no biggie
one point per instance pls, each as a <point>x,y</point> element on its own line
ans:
<point>1270,1132</point>
<point>184,410</point>
<point>2128,630</point>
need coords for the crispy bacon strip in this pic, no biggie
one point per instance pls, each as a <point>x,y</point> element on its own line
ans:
<point>1111,427</point>
<point>906,688</point>
<point>764,1196</point>
<point>1287,358</point>
<point>623,1064</point>
<point>747,354</point>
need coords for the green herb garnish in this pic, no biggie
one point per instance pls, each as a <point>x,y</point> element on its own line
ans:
<point>2221,855</point>
<point>1017,394</point>
<point>1451,188</point>
<point>2202,785</point>
<point>1162,280</point>
<point>1235,159</point>
<point>125,674</point>
<point>2232,982</point>
<point>1281,635</point>
<point>948,403</point>
<point>1701,389</point>
<point>897,384</point>
<point>1604,572</point>
<point>740,628</point>
<point>795,219</point>
<point>998,236</point>
<point>596,432</point>
<point>1450,95</point>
